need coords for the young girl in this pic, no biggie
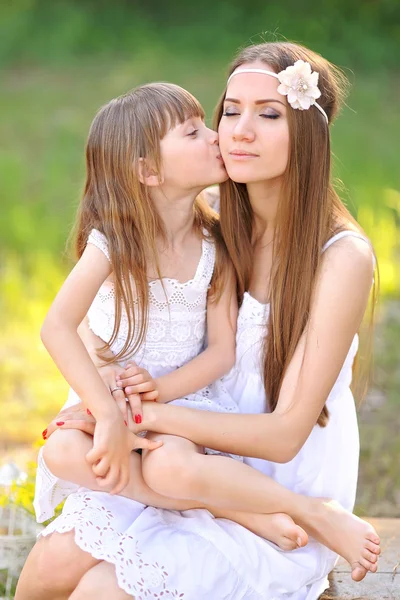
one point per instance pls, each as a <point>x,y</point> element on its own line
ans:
<point>154,277</point>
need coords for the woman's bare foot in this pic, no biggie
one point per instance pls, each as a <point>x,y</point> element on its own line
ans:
<point>344,533</point>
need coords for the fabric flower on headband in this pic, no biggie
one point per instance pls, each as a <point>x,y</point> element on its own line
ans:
<point>300,85</point>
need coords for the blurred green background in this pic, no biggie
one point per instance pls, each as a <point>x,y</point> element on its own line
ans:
<point>61,60</point>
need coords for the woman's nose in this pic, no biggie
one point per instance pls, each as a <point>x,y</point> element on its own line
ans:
<point>243,131</point>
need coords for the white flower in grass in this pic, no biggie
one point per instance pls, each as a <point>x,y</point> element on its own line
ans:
<point>300,85</point>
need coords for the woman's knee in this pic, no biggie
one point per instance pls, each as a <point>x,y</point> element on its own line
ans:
<point>60,563</point>
<point>100,583</point>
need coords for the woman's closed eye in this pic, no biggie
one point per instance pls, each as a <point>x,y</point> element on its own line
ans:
<point>270,114</point>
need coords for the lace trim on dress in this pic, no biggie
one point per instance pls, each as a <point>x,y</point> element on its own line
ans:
<point>95,533</point>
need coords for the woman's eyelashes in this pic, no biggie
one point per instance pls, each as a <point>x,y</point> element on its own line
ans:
<point>266,115</point>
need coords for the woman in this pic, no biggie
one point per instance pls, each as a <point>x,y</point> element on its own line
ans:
<point>305,270</point>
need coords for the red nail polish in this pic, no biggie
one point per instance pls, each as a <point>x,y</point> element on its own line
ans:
<point>126,423</point>
<point>59,423</point>
<point>88,412</point>
<point>138,419</point>
<point>44,433</point>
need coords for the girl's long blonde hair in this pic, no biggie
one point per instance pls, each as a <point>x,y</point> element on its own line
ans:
<point>310,212</point>
<point>116,203</point>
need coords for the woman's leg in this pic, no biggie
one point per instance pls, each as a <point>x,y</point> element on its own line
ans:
<point>53,568</point>
<point>100,583</point>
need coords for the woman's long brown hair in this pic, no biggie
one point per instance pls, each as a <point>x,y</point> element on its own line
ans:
<point>116,203</point>
<point>310,212</point>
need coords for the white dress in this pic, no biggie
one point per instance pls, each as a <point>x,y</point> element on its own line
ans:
<point>161,554</point>
<point>175,335</point>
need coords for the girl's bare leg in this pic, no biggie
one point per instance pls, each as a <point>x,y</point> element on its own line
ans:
<point>64,452</point>
<point>176,470</point>
<point>53,568</point>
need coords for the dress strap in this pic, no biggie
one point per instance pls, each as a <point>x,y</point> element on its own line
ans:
<point>349,233</point>
<point>342,234</point>
<point>206,264</point>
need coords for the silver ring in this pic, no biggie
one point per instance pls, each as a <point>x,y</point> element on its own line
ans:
<point>117,389</point>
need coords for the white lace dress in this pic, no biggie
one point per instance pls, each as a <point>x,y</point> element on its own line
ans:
<point>161,554</point>
<point>175,335</point>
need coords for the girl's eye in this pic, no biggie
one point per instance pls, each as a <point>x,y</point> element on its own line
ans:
<point>193,133</point>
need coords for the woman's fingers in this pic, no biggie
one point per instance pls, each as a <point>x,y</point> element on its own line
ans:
<point>135,404</point>
<point>71,423</point>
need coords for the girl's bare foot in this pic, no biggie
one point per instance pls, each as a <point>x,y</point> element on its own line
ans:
<point>278,528</point>
<point>281,530</point>
<point>344,533</point>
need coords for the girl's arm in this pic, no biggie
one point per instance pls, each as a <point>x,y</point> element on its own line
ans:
<point>211,364</point>
<point>219,356</point>
<point>338,305</point>
<point>112,441</point>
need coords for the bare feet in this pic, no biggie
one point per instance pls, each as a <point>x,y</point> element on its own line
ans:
<point>281,530</point>
<point>344,533</point>
<point>278,528</point>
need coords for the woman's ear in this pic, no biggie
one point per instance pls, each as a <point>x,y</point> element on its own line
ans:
<point>148,174</point>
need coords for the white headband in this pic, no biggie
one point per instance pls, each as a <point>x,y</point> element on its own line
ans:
<point>297,82</point>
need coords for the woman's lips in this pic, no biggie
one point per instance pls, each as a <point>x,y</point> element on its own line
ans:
<point>242,155</point>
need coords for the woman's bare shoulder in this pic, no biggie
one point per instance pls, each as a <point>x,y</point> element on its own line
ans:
<point>211,194</point>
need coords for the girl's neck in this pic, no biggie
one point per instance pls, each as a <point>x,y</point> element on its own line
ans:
<point>176,213</point>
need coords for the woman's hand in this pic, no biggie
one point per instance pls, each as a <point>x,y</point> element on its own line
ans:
<point>78,417</point>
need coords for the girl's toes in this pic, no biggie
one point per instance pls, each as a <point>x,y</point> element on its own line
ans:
<point>287,544</point>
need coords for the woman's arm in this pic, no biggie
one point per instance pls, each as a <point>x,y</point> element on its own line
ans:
<point>338,305</point>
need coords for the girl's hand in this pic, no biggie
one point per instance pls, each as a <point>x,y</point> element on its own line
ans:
<point>138,385</point>
<point>110,372</point>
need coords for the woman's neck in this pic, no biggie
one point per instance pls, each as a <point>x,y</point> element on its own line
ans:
<point>264,199</point>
